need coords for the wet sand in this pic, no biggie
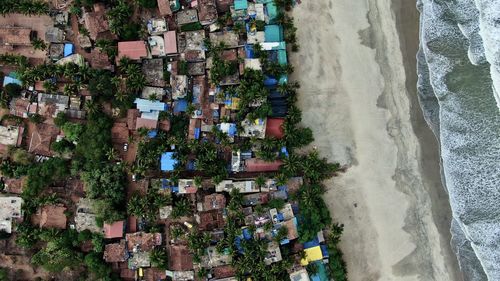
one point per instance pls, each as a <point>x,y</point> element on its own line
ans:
<point>356,67</point>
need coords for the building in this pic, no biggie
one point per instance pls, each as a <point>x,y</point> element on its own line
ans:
<point>273,253</point>
<point>54,35</point>
<point>274,128</point>
<point>50,105</point>
<point>97,24</point>
<point>214,259</point>
<point>149,113</point>
<point>157,46</point>
<point>99,60</point>
<point>11,36</point>
<point>210,220</point>
<point>153,71</point>
<point>186,16</point>
<point>134,50</point>
<point>119,133</point>
<point>114,230</point>
<point>10,210</point>
<point>187,186</point>
<point>116,252</point>
<point>247,186</point>
<point>255,128</point>
<point>229,38</point>
<point>142,241</point>
<point>51,216</point>
<point>255,199</point>
<point>179,258</point>
<point>191,44</point>
<point>259,165</point>
<point>207,11</point>
<point>164,7</point>
<point>170,39</point>
<point>14,185</point>
<point>300,275</point>
<point>85,217</point>
<point>149,93</point>
<point>56,51</point>
<point>156,26</point>
<point>167,162</point>
<point>42,138</point>
<point>10,135</point>
<point>213,201</point>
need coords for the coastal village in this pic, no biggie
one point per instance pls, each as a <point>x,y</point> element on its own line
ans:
<point>158,140</point>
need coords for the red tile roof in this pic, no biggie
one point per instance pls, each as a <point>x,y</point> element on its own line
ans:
<point>274,127</point>
<point>132,115</point>
<point>134,50</point>
<point>115,252</point>
<point>259,165</point>
<point>114,230</point>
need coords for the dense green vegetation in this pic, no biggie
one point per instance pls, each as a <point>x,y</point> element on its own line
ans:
<point>27,7</point>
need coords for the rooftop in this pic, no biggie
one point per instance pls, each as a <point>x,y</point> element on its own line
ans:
<point>15,36</point>
<point>142,241</point>
<point>179,258</point>
<point>10,208</point>
<point>114,230</point>
<point>116,252</point>
<point>207,11</point>
<point>186,16</point>
<point>52,216</point>
<point>134,50</point>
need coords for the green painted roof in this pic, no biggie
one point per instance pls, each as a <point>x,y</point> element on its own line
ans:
<point>272,11</point>
<point>321,275</point>
<point>282,57</point>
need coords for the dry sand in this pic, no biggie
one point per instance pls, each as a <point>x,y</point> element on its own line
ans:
<point>356,67</point>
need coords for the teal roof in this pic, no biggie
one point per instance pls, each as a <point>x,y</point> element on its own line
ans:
<point>273,33</point>
<point>321,275</point>
<point>282,57</point>
<point>272,11</point>
<point>265,1</point>
<point>240,4</point>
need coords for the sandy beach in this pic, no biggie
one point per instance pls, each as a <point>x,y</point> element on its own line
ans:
<point>356,67</point>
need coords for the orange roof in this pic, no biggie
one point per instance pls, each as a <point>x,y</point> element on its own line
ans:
<point>114,230</point>
<point>259,165</point>
<point>274,127</point>
<point>170,39</point>
<point>134,50</point>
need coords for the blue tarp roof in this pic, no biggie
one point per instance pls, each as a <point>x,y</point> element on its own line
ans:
<point>240,4</point>
<point>152,134</point>
<point>270,81</point>
<point>249,53</point>
<point>180,105</point>
<point>273,33</point>
<point>197,132</point>
<point>312,243</point>
<point>68,49</point>
<point>10,80</point>
<point>247,234</point>
<point>324,250</point>
<point>145,105</point>
<point>167,161</point>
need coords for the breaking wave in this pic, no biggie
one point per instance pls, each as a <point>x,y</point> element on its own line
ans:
<point>459,86</point>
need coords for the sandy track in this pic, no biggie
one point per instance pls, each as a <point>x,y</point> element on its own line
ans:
<point>354,96</point>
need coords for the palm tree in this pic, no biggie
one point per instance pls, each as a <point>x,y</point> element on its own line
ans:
<point>292,164</point>
<point>39,44</point>
<point>92,107</point>
<point>112,154</point>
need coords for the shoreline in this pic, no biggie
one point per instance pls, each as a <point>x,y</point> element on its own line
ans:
<point>407,25</point>
<point>357,99</point>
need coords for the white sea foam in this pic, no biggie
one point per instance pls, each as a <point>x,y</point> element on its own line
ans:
<point>455,36</point>
<point>489,22</point>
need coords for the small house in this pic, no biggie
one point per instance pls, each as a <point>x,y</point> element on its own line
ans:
<point>134,50</point>
<point>10,210</point>
<point>51,216</point>
<point>116,252</point>
<point>114,230</point>
<point>11,36</point>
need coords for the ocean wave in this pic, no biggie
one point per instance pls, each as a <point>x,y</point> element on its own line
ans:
<point>459,74</point>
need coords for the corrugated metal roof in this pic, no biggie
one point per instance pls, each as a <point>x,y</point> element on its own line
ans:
<point>134,50</point>
<point>167,161</point>
<point>170,39</point>
<point>145,105</point>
